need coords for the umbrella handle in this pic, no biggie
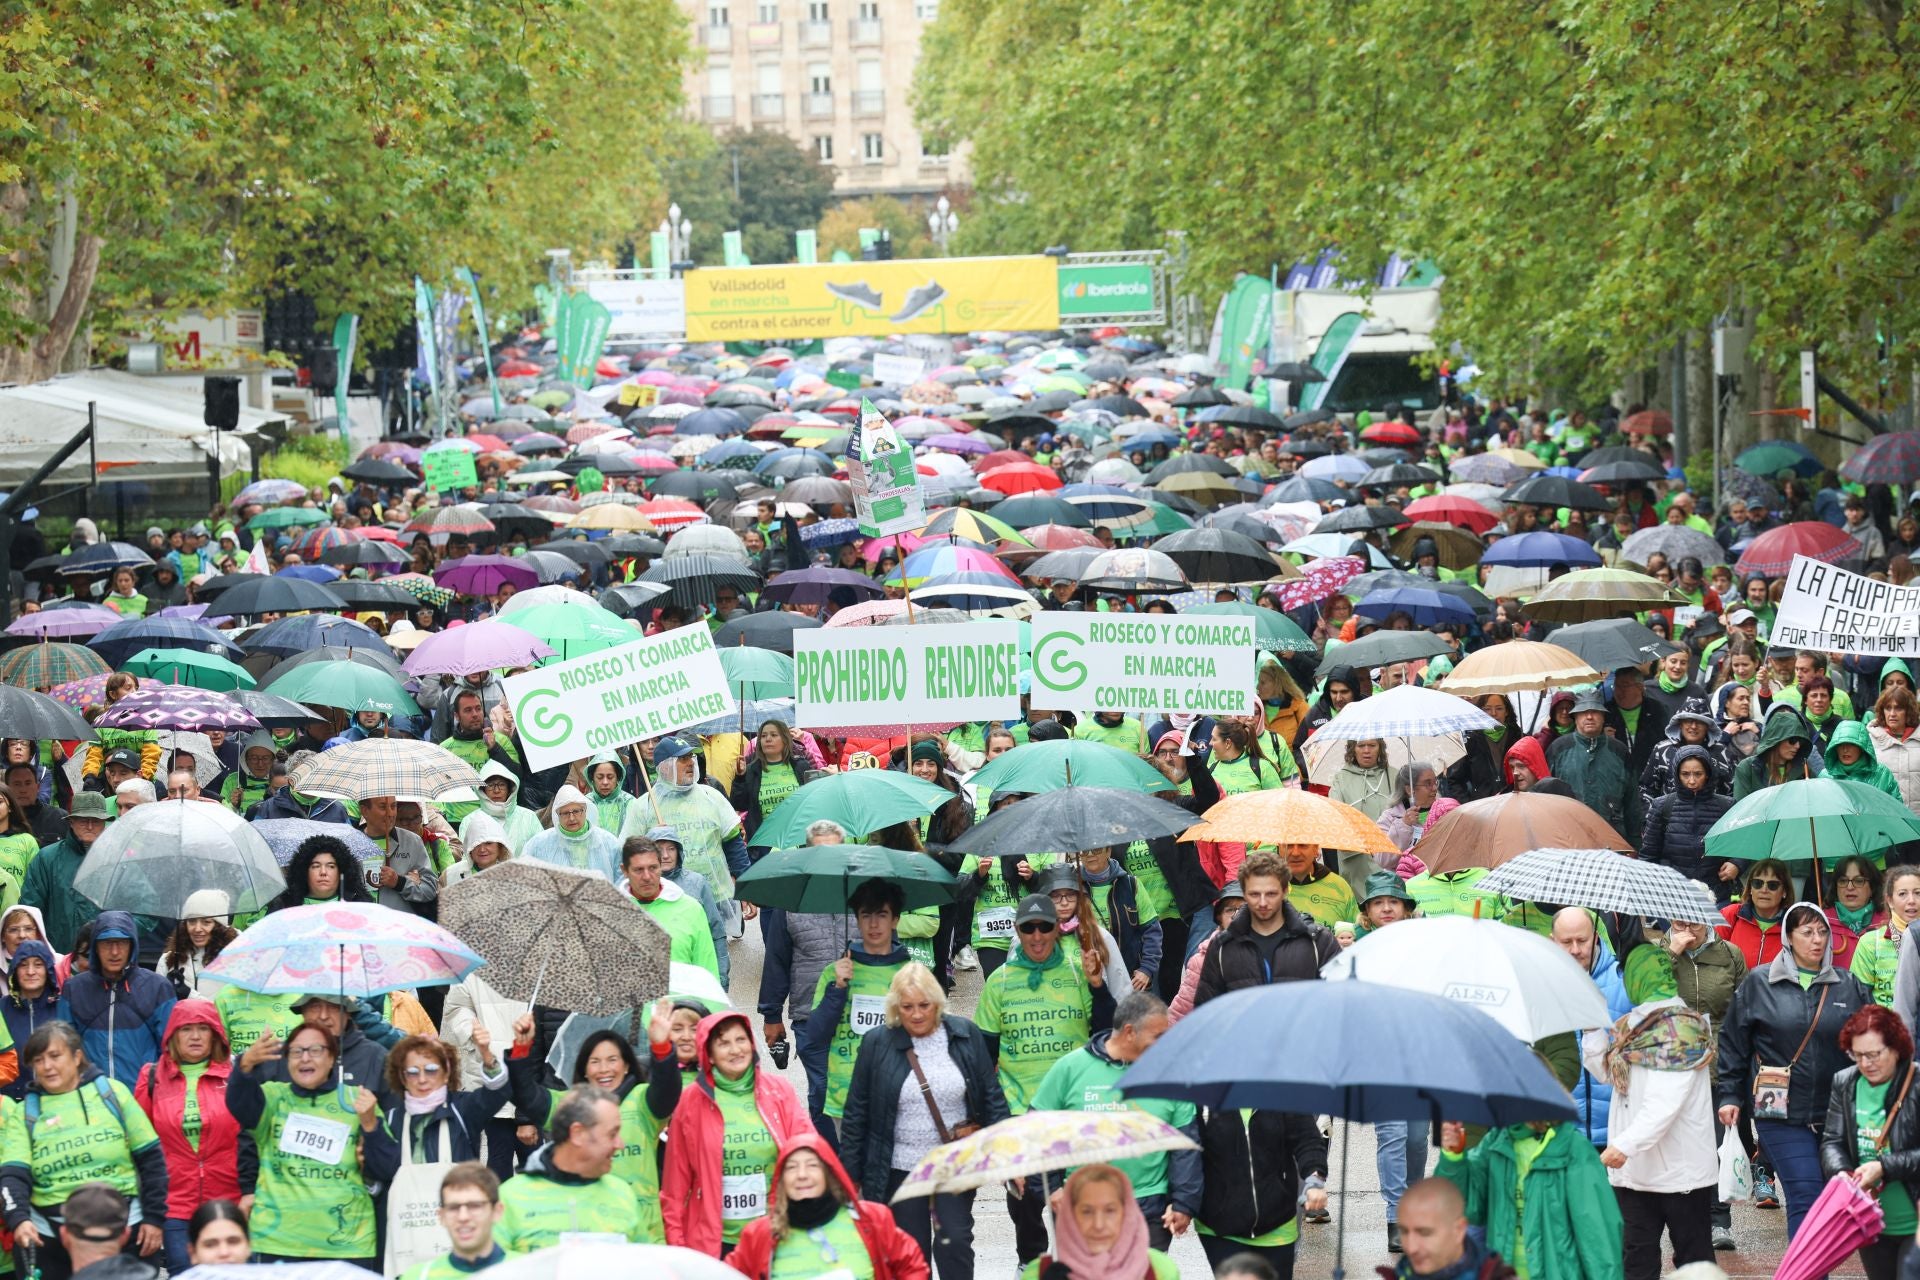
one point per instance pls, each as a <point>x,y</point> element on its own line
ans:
<point>538,982</point>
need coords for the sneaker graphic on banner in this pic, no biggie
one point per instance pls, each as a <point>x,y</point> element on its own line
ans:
<point>860,295</point>
<point>919,301</point>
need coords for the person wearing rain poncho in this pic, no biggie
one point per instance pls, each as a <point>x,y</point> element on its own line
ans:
<point>574,841</point>
<point>607,797</point>
<point>247,786</point>
<point>1780,756</point>
<point>709,830</point>
<point>500,801</point>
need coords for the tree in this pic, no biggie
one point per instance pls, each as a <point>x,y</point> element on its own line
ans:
<point>840,228</point>
<point>758,182</point>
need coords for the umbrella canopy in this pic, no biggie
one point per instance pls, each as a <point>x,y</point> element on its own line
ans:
<point>693,579</point>
<point>65,624</point>
<point>822,879</point>
<point>130,635</point>
<point>549,930</point>
<point>284,836</point>
<point>491,645</point>
<point>1611,644</point>
<point>1285,816</point>
<point>1843,1217</point>
<point>1555,491</point>
<point>1273,631</point>
<point>1515,666</point>
<point>1540,550</point>
<point>764,630</point>
<point>274,595</point>
<point>1036,767</point>
<point>374,597</point>
<point>572,627</point>
<point>1893,458</point>
<point>1464,512</point>
<point>1040,1142</point>
<point>189,667</point>
<point>275,712</point>
<point>1824,818</point>
<point>1427,607</point>
<point>1378,1053</point>
<point>1133,569</point>
<point>484,575</point>
<point>1071,820</point>
<point>1588,595</point>
<point>30,714</point>
<point>346,685</point>
<point>286,637</point>
<point>1362,519</point>
<point>1456,548</point>
<point>1317,581</point>
<point>153,857</point>
<point>1603,880</point>
<point>1771,554</point>
<point>177,707</point>
<point>1674,541</point>
<point>757,673</point>
<point>1490,832</point>
<point>1382,649</point>
<point>819,586</point>
<point>396,767</point>
<point>860,800</point>
<point>1218,555</point>
<point>1518,978</point>
<point>1405,711</point>
<point>353,948</point>
<point>44,665</point>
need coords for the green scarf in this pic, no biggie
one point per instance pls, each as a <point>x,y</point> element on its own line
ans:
<point>1858,921</point>
<point>1670,686</point>
<point>1036,969</point>
<point>1672,1039</point>
<point>1496,733</point>
<point>743,1085</point>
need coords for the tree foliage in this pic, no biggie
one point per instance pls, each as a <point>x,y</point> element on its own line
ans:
<point>215,155</point>
<point>1595,178</point>
<point>840,228</point>
<point>758,182</point>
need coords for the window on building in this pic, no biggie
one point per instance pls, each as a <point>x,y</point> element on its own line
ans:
<point>769,10</point>
<point>823,146</point>
<point>766,77</point>
<point>873,148</point>
<point>926,10</point>
<point>717,15</point>
<point>816,10</point>
<point>872,78</point>
<point>819,77</point>
<point>720,81</point>
<point>869,10</point>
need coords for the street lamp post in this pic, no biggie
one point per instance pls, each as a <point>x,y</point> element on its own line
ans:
<point>942,222</point>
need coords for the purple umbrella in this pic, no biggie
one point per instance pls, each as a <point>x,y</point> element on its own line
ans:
<point>817,586</point>
<point>64,624</point>
<point>954,442</point>
<point>179,707</point>
<point>484,575</point>
<point>191,612</point>
<point>483,646</point>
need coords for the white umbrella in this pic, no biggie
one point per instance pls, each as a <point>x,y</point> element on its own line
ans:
<point>1416,724</point>
<point>711,539</point>
<point>1522,980</point>
<point>595,1259</point>
<point>155,855</point>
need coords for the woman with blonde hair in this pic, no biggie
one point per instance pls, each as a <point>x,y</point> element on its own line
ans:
<point>1099,1232</point>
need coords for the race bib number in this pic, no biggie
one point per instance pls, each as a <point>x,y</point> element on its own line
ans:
<point>867,1013</point>
<point>743,1196</point>
<point>996,923</point>
<point>315,1137</point>
<point>1686,615</point>
<point>592,1237</point>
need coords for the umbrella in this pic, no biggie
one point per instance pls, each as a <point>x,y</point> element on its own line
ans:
<point>286,637</point>
<point>65,624</point>
<point>1456,548</point>
<point>1036,767</point>
<point>1032,509</point>
<point>1486,468</point>
<point>1490,832</point>
<point>821,879</point>
<point>274,712</point>
<point>626,601</point>
<point>1285,816</point>
<point>190,667</point>
<point>819,586</point>
<point>44,665</point>
<point>764,630</point>
<point>1541,550</point>
<point>1317,581</point>
<point>422,588</point>
<point>284,837</point>
<point>1771,554</point>
<point>1040,1142</point>
<point>1073,819</point>
<point>586,1256</point>
<point>492,645</point>
<point>372,659</point>
<point>1824,818</point>
<point>1518,978</point>
<point>574,627</point>
<point>1518,665</point>
<point>1134,569</point>
<point>754,673</point>
<point>356,948</point>
<point>442,523</point>
<point>1273,631</point>
<point>1217,555</point>
<point>107,557</point>
<point>1588,595</point>
<point>273,595</point>
<point>860,800</point>
<point>374,597</point>
<point>1394,474</point>
<point>1427,607</point>
<point>1611,644</point>
<point>693,579</point>
<point>1405,711</point>
<point>28,714</point>
<point>1625,472</point>
<point>546,933</point>
<point>1383,649</point>
<point>375,471</point>
<point>1603,880</point>
<point>385,767</point>
<point>348,686</point>
<point>484,575</point>
<point>170,706</point>
<point>1464,512</point>
<point>1841,1219</point>
<point>287,518</point>
<point>267,492</point>
<point>1556,491</point>
<point>975,526</point>
<point>1362,519</point>
<point>1893,458</point>
<point>1674,541</point>
<point>155,855</point>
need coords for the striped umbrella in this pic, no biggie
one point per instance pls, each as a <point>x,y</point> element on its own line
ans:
<point>945,559</point>
<point>442,523</point>
<point>44,665</point>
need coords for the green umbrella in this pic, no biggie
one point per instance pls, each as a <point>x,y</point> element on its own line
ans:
<point>346,685</point>
<point>190,667</point>
<point>1272,630</point>
<point>975,526</point>
<point>551,399</point>
<point>757,673</point>
<point>860,800</point>
<point>1048,766</point>
<point>573,629</point>
<point>1161,519</point>
<point>44,665</point>
<point>819,879</point>
<point>287,517</point>
<point>1824,818</point>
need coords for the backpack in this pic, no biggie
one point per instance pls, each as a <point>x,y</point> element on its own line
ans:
<point>101,1085</point>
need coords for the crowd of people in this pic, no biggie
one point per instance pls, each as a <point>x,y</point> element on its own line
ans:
<point>426,1130</point>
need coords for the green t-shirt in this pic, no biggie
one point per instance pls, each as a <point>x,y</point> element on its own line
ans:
<point>1140,864</point>
<point>444,1268</point>
<point>866,1009</point>
<point>1870,1103</point>
<point>78,1139</point>
<point>1327,898</point>
<point>190,1112</point>
<point>1086,1081</point>
<point>1037,1025</point>
<point>835,1250</point>
<point>994,909</point>
<point>1129,735</point>
<point>777,782</point>
<point>539,1212</point>
<point>637,1162</point>
<point>247,1015</point>
<point>747,1153</point>
<point>310,1206</point>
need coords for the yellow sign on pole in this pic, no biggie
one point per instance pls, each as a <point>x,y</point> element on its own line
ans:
<point>844,299</point>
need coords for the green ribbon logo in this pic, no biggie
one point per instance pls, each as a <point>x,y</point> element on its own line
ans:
<point>542,725</point>
<point>1056,667</point>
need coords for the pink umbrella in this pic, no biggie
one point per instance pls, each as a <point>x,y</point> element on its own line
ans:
<point>1840,1221</point>
<point>896,546</point>
<point>868,613</point>
<point>1318,580</point>
<point>653,464</point>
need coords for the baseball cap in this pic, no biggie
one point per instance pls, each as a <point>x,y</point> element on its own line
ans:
<point>1589,701</point>
<point>1036,908</point>
<point>96,1213</point>
<point>125,757</point>
<point>671,748</point>
<point>1739,616</point>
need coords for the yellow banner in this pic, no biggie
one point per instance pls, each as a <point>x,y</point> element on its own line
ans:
<point>842,299</point>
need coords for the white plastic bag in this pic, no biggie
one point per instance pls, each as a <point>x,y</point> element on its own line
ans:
<point>1736,1175</point>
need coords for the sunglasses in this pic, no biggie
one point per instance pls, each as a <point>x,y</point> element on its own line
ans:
<point>415,1073</point>
<point>1765,884</point>
<point>1036,928</point>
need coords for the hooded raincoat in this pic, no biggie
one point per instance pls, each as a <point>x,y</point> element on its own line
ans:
<point>123,1021</point>
<point>1757,771</point>
<point>521,824</point>
<point>1867,769</point>
<point>1678,821</point>
<point>892,1254</point>
<point>201,1142</point>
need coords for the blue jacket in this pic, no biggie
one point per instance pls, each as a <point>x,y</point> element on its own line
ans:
<point>123,1024</point>
<point>25,1016</point>
<point>1593,1095</point>
<point>282,804</point>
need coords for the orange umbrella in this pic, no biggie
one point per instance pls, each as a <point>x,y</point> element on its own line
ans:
<point>1489,832</point>
<point>1287,816</point>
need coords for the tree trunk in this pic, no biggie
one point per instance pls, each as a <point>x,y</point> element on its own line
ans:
<point>44,355</point>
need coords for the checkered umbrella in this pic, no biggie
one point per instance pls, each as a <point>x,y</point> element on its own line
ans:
<point>44,665</point>
<point>384,767</point>
<point>1888,459</point>
<point>177,707</point>
<point>1406,711</point>
<point>422,588</point>
<point>1604,880</point>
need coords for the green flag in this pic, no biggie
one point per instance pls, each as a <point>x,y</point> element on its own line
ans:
<point>465,276</point>
<point>346,331</point>
<point>1245,330</point>
<point>584,332</point>
<point>1331,355</point>
<point>661,249</point>
<point>806,247</point>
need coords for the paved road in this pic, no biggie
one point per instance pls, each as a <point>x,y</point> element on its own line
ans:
<point>1358,1207</point>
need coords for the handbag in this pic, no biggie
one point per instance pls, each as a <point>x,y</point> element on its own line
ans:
<point>1772,1085</point>
<point>926,1091</point>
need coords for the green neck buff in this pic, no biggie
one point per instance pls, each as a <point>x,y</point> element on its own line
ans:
<point>1036,969</point>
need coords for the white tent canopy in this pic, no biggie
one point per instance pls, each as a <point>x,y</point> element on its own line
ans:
<point>153,430</point>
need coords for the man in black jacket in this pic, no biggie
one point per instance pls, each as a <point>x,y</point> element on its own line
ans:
<point>1269,941</point>
<point>1638,719</point>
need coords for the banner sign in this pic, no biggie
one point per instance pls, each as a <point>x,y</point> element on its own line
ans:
<point>933,674</point>
<point>834,300</point>
<point>442,469</point>
<point>423,332</point>
<point>346,335</point>
<point>639,395</point>
<point>465,276</point>
<point>897,371</point>
<point>1151,664</point>
<point>1106,290</point>
<point>1837,611</point>
<point>585,332</point>
<point>642,308</point>
<point>1330,357</point>
<point>886,486</point>
<point>594,703</point>
<point>1246,328</point>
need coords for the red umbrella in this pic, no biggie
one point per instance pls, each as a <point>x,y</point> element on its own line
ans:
<point>1000,458</point>
<point>518,369</point>
<point>1391,433</point>
<point>1318,580</point>
<point>1648,422</point>
<point>1840,1221</point>
<point>1464,512</point>
<point>1771,554</point>
<point>1020,477</point>
<point>671,513</point>
<point>487,443</point>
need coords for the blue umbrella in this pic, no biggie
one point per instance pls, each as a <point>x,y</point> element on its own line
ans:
<point>711,422</point>
<point>305,632</point>
<point>1541,550</point>
<point>125,638</point>
<point>1427,607</point>
<point>284,835</point>
<point>830,533</point>
<point>321,573</point>
<point>727,451</point>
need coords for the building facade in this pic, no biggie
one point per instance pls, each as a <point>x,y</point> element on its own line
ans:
<point>833,75</point>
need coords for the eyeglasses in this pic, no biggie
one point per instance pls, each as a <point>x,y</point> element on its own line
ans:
<point>459,1207</point>
<point>1764,885</point>
<point>1872,1055</point>
<point>1854,881</point>
<point>415,1073</point>
<point>307,1051</point>
<point>1033,927</point>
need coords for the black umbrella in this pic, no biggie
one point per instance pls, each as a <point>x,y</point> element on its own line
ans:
<point>1031,509</point>
<point>1245,525</point>
<point>1218,555</point>
<point>36,716</point>
<point>1052,401</point>
<point>817,491</point>
<point>692,579</point>
<point>378,471</point>
<point>1307,418</point>
<point>622,545</point>
<point>1383,457</point>
<point>1383,648</point>
<point>607,464</point>
<point>1359,519</point>
<point>634,597</point>
<point>1122,406</point>
<point>1305,489</point>
<point>765,631</point>
<point>1306,448</point>
<point>374,596</point>
<point>1019,421</point>
<point>224,582</point>
<point>371,552</point>
<point>1296,371</point>
<point>289,636</point>
<point>105,558</point>
<point>1399,473</point>
<point>587,554</point>
<point>1181,463</point>
<point>274,595</point>
<point>1630,471</point>
<point>274,711</point>
<point>1201,398</point>
<point>1614,453</point>
<point>509,518</point>
<point>1610,644</point>
<point>696,486</point>
<point>795,465</point>
<point>1072,820</point>
<point>1246,415</point>
<point>1069,563</point>
<point>1556,491</point>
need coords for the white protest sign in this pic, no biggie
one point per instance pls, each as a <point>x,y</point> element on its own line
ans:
<point>880,471</point>
<point>897,371</point>
<point>1150,663</point>
<point>594,703</point>
<point>939,673</point>
<point>1837,611</point>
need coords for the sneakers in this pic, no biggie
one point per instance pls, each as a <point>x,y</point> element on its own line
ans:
<point>965,961</point>
<point>1764,1195</point>
<point>860,295</point>
<point>919,300</point>
<point>1317,1215</point>
<point>1723,1239</point>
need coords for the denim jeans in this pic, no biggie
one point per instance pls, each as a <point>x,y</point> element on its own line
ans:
<point>1400,1156</point>
<point>1793,1152</point>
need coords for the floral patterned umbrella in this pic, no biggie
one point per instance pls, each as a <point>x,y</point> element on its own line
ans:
<point>169,706</point>
<point>353,948</point>
<point>81,694</point>
<point>44,665</point>
<point>1318,580</point>
<point>1038,1142</point>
